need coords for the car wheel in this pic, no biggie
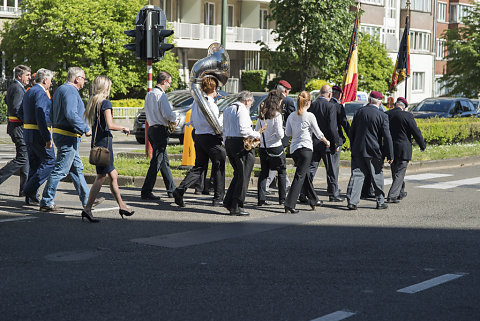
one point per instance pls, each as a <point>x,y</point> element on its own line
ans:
<point>140,139</point>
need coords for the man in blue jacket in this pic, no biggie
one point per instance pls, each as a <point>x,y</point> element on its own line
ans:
<point>35,114</point>
<point>68,127</point>
<point>370,142</point>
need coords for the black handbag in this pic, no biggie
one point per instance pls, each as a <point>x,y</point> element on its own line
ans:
<point>99,155</point>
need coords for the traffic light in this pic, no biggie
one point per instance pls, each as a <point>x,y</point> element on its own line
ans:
<point>160,33</point>
<point>140,38</point>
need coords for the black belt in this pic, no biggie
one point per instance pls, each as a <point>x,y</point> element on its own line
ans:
<point>234,137</point>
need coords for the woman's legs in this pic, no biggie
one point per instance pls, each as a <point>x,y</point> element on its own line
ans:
<point>99,180</point>
<point>115,190</point>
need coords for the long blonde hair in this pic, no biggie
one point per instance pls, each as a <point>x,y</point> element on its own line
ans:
<point>100,91</point>
<point>303,98</point>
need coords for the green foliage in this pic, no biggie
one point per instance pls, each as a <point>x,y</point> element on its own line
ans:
<point>3,109</point>
<point>313,37</point>
<point>442,131</point>
<point>128,103</point>
<point>315,84</point>
<point>57,34</point>
<point>374,66</point>
<point>463,60</point>
<point>254,80</point>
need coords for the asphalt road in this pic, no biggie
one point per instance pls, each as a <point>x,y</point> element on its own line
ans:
<point>417,260</point>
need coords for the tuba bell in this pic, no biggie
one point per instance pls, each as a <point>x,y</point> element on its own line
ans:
<point>217,66</point>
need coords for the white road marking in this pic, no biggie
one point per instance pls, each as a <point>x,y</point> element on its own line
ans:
<point>335,316</point>
<point>419,177</point>
<point>431,283</point>
<point>453,184</point>
<point>23,218</point>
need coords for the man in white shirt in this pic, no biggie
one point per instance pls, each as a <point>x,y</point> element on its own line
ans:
<point>236,126</point>
<point>159,113</point>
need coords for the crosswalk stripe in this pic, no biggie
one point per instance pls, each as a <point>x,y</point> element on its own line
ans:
<point>17,219</point>
<point>335,316</point>
<point>453,184</point>
<point>419,177</point>
<point>431,283</point>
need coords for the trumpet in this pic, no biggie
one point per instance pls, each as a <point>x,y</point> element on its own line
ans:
<point>171,126</point>
<point>250,142</point>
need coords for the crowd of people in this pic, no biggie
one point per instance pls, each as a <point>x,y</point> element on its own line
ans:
<point>311,130</point>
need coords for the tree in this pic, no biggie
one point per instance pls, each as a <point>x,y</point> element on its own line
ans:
<point>463,58</point>
<point>57,34</point>
<point>374,65</point>
<point>313,35</point>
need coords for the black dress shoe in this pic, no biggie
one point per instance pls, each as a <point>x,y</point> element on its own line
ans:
<point>382,206</point>
<point>336,199</point>
<point>178,198</point>
<point>217,203</point>
<point>289,210</point>
<point>392,200</point>
<point>352,207</point>
<point>282,202</point>
<point>402,195</point>
<point>263,203</point>
<point>31,201</point>
<point>150,197</point>
<point>318,203</point>
<point>303,199</point>
<point>239,212</point>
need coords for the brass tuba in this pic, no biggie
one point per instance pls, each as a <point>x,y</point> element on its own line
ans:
<point>216,65</point>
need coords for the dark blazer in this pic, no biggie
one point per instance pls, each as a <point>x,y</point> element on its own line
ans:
<point>342,121</point>
<point>288,107</point>
<point>326,114</point>
<point>370,134</point>
<point>402,128</point>
<point>14,97</point>
<point>35,109</point>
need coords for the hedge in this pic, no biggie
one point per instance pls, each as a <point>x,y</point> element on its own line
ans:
<point>128,103</point>
<point>442,131</point>
<point>315,84</point>
<point>254,80</point>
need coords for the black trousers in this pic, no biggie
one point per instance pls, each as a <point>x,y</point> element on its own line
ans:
<point>302,178</point>
<point>331,162</point>
<point>398,168</point>
<point>207,147</point>
<point>20,162</point>
<point>268,163</point>
<point>242,162</point>
<point>158,138</point>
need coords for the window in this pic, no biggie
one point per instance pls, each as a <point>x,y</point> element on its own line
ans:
<point>458,12</point>
<point>209,13</point>
<point>263,19</point>
<point>442,12</point>
<point>230,16</point>
<point>166,6</point>
<point>418,5</point>
<point>373,31</point>
<point>391,9</point>
<point>418,84</point>
<point>419,41</point>
<point>379,2</point>
<point>466,106</point>
<point>441,49</point>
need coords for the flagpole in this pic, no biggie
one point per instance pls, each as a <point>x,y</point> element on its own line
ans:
<point>406,76</point>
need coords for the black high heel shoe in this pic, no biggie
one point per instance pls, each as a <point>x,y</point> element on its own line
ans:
<point>291,210</point>
<point>125,212</point>
<point>89,217</point>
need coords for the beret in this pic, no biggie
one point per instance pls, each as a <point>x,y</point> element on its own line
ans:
<point>376,95</point>
<point>402,100</point>
<point>285,84</point>
<point>337,88</point>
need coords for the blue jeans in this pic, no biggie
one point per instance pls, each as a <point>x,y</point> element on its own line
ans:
<point>68,162</point>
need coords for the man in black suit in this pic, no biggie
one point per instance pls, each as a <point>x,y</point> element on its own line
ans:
<point>14,99</point>
<point>326,114</point>
<point>288,104</point>
<point>370,142</point>
<point>402,128</point>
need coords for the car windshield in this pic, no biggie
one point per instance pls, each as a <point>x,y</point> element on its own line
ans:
<point>179,100</point>
<point>434,106</point>
<point>351,108</point>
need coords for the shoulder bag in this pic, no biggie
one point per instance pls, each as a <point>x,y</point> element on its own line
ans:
<point>99,155</point>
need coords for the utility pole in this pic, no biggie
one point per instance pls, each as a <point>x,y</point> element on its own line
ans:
<point>223,40</point>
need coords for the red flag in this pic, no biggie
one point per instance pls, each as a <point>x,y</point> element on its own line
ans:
<point>350,78</point>
<point>402,66</point>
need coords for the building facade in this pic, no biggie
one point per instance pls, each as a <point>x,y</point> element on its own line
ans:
<point>9,9</point>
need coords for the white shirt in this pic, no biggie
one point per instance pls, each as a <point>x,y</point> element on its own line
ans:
<point>274,132</point>
<point>157,108</point>
<point>237,122</point>
<point>301,129</point>
<point>198,120</point>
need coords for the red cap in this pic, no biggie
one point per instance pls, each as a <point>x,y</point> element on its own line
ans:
<point>285,84</point>
<point>402,100</point>
<point>376,95</point>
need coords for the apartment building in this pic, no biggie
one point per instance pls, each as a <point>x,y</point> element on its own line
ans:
<point>9,9</point>
<point>197,23</point>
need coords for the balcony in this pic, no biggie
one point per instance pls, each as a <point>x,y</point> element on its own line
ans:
<point>10,12</point>
<point>199,35</point>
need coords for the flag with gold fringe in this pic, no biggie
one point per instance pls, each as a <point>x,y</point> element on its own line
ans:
<point>402,66</point>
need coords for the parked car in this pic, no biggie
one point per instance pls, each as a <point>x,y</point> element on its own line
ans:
<point>445,107</point>
<point>352,107</point>
<point>476,104</point>
<point>259,97</point>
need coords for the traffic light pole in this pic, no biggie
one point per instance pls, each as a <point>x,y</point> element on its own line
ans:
<point>148,147</point>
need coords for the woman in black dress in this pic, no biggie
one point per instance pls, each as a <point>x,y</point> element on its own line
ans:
<point>99,105</point>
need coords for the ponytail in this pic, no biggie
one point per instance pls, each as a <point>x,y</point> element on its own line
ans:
<point>303,98</point>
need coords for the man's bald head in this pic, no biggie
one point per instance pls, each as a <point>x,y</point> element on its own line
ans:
<point>326,91</point>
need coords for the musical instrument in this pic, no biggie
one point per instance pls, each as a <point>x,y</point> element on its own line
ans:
<point>250,142</point>
<point>216,65</point>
